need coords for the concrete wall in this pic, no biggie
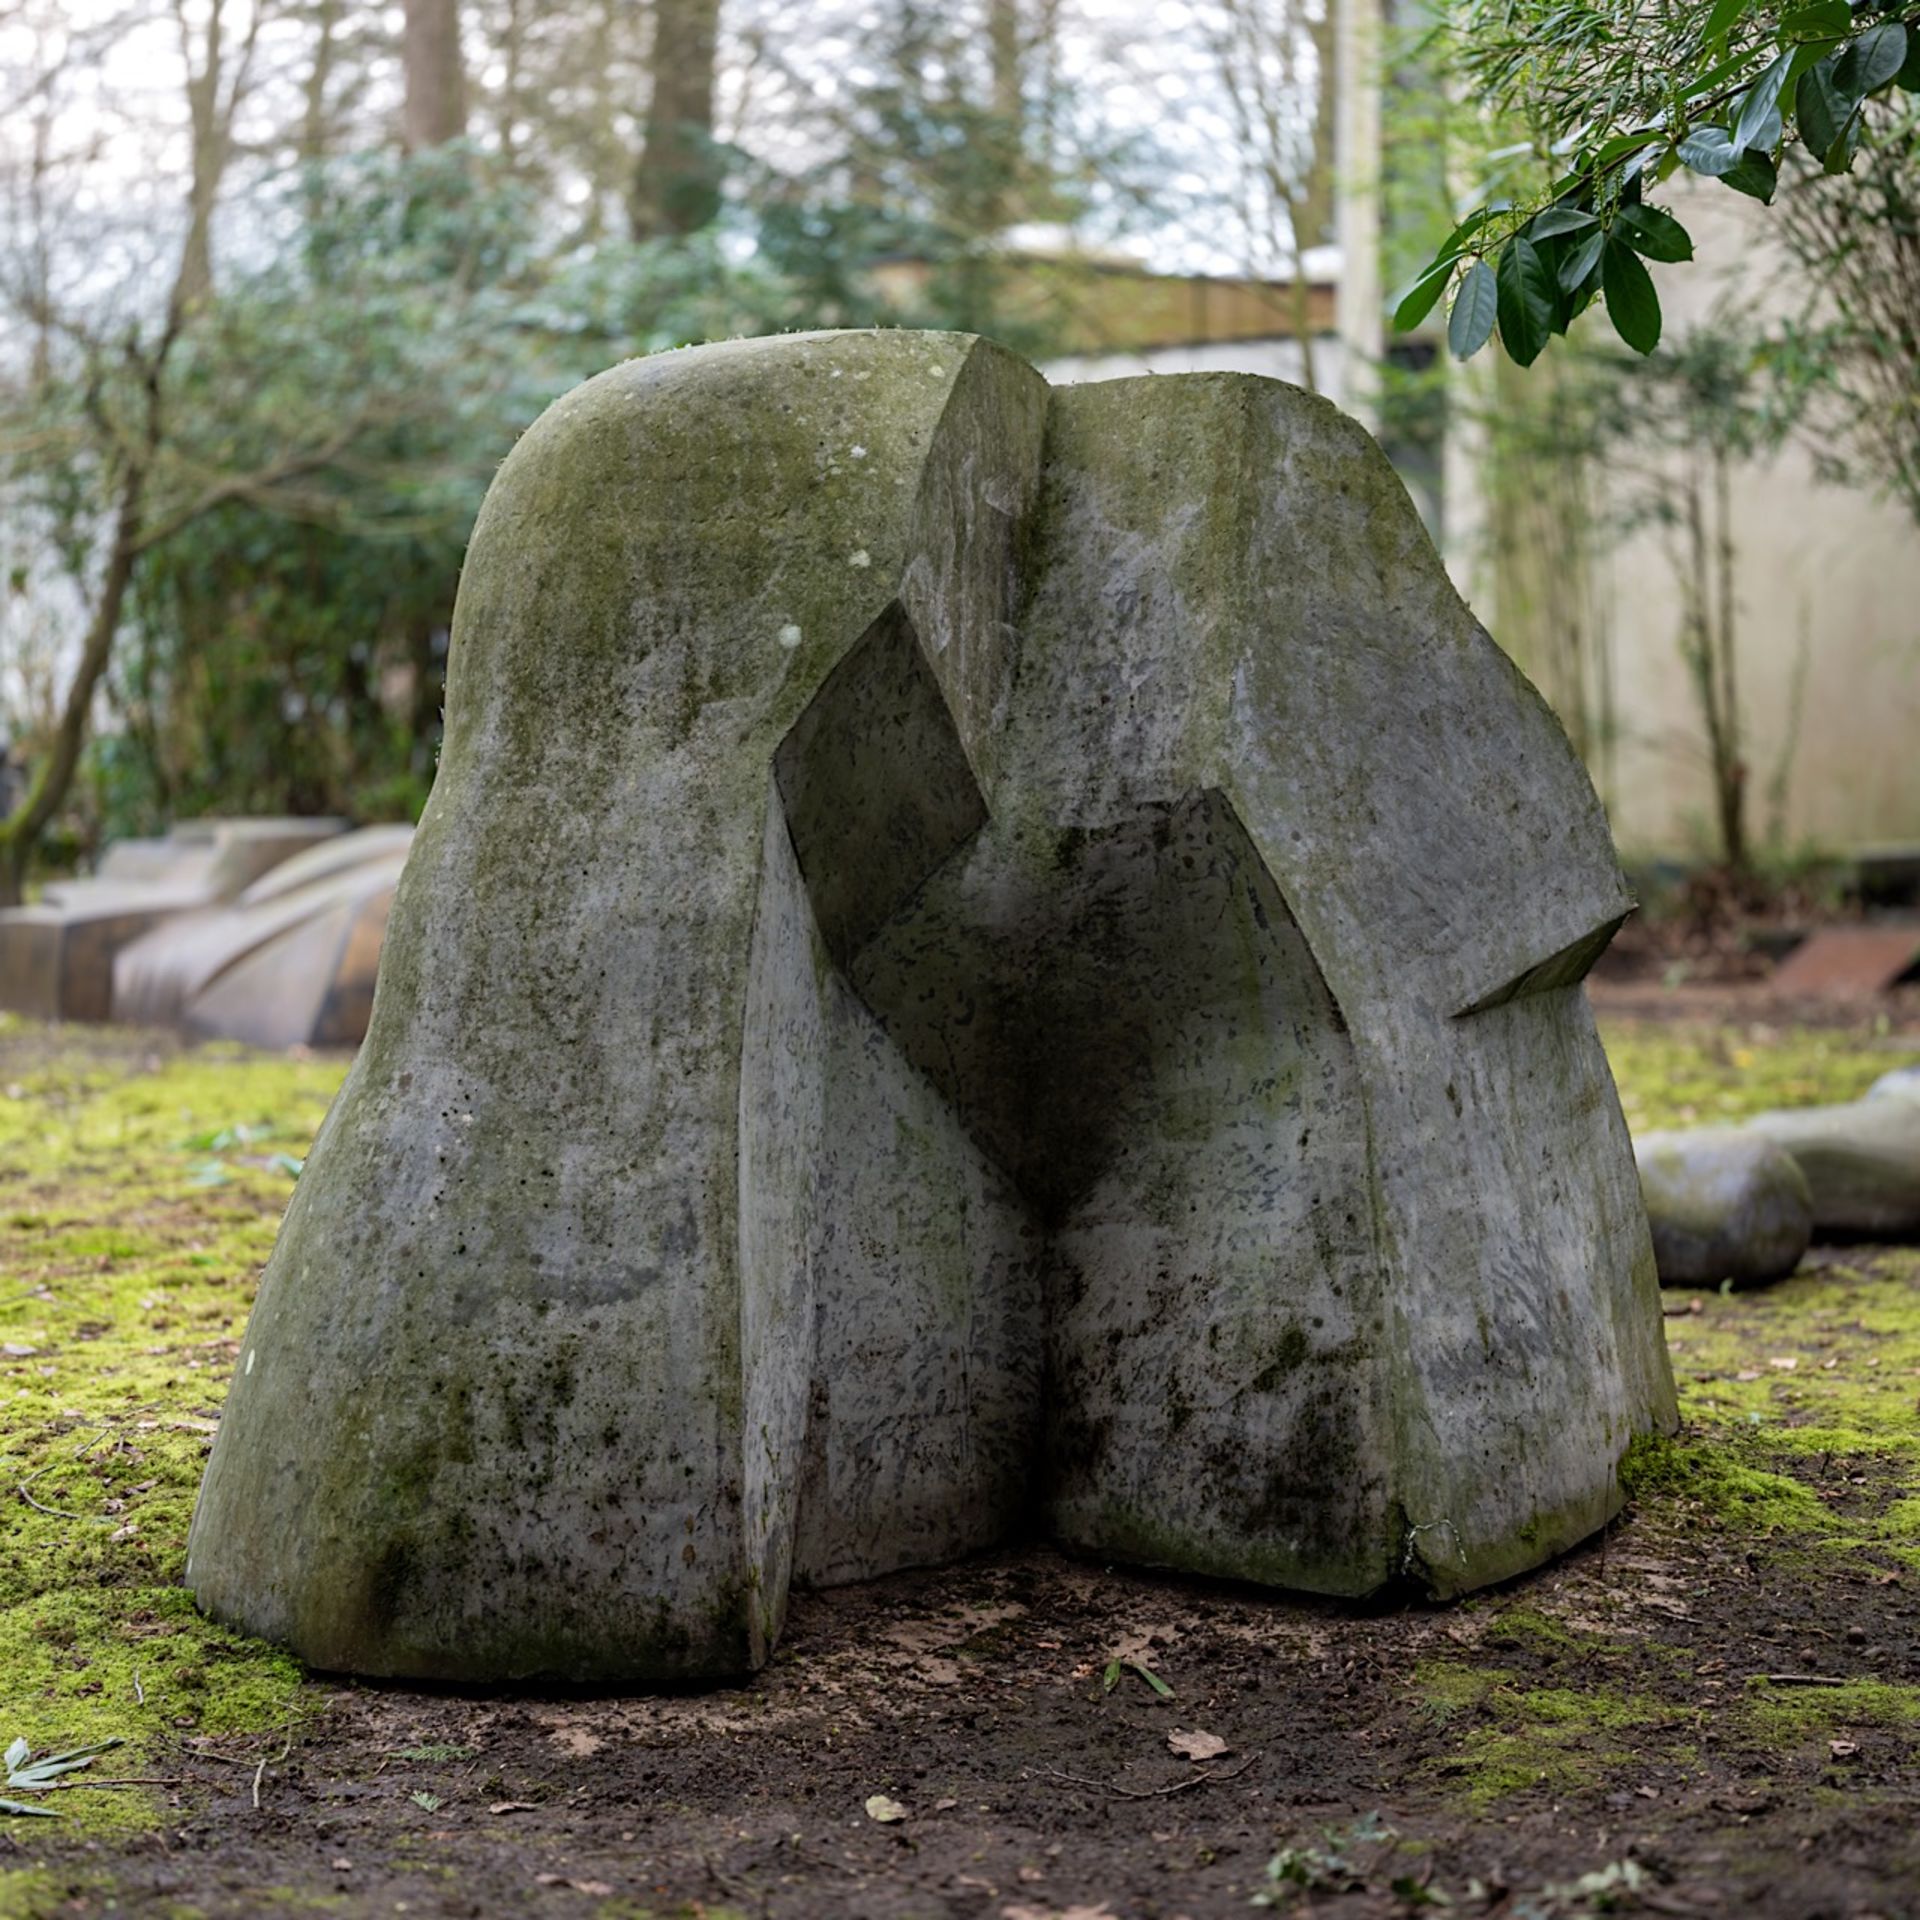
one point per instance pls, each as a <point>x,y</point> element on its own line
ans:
<point>1821,569</point>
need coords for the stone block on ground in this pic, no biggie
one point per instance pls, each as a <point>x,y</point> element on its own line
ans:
<point>1862,1163</point>
<point>1903,1083</point>
<point>291,962</point>
<point>1724,1204</point>
<point>57,956</point>
<point>940,893</point>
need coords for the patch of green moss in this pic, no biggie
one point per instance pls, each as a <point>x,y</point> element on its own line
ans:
<point>1799,1401</point>
<point>1504,1738</point>
<point>145,1195</point>
<point>1708,1474</point>
<point>1569,1707</point>
<point>1781,1715</point>
<point>1798,1397</point>
<point>1521,1738</point>
<point>1550,1636</point>
<point>1672,1074</point>
<point>1445,1688</point>
<point>32,1893</point>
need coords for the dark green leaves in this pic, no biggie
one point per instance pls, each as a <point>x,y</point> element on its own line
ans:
<point>1622,145</point>
<point>1527,300</point>
<point>1756,176</point>
<point>1827,20</point>
<point>1578,265</point>
<point>1475,306</point>
<point>1872,61</point>
<point>1758,123</point>
<point>1909,75</point>
<point>1747,170</point>
<point>1632,304</point>
<point>1726,15</point>
<point>1819,107</point>
<point>1584,237</point>
<point>1658,235</point>
<point>1419,299</point>
<point>1709,150</point>
<point>1556,220</point>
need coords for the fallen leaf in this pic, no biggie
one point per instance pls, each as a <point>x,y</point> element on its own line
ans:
<point>595,1889</point>
<point>1783,1362</point>
<point>15,1351</point>
<point>1197,1745</point>
<point>342,1866</point>
<point>513,1806</point>
<point>886,1811</point>
<point>945,1806</point>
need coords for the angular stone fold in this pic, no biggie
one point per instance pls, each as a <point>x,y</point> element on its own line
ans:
<point>977,960</point>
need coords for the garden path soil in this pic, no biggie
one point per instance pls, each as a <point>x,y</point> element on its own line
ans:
<point>1641,1727</point>
<point>974,1698</point>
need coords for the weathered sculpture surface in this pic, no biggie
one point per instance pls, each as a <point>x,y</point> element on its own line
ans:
<point>979,958</point>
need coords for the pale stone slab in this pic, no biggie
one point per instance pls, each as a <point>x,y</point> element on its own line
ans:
<point>977,958</point>
<point>1903,1083</point>
<point>1861,1161</point>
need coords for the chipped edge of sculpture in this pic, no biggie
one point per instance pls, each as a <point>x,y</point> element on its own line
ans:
<point>979,957</point>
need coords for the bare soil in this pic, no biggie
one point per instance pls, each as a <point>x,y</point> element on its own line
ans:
<point>974,1699</point>
<point>1691,1716</point>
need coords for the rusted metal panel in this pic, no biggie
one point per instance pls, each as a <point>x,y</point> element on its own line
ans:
<point>1851,960</point>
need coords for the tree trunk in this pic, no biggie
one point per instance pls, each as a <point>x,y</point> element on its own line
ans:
<point>21,830</point>
<point>1733,775</point>
<point>1314,214</point>
<point>209,128</point>
<point>435,109</point>
<point>1007,51</point>
<point>676,185</point>
<point>316,121</point>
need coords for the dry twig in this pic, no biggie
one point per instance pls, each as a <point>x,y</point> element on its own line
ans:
<point>1152,1793</point>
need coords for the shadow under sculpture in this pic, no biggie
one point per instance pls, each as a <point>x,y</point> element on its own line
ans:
<point>980,957</point>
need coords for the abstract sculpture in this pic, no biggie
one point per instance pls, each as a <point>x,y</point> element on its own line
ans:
<point>979,958</point>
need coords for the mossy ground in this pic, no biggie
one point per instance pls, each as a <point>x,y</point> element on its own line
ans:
<point>1799,1434</point>
<point>143,1186</point>
<point>1778,1534</point>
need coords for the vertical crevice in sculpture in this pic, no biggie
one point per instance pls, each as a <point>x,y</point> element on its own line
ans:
<point>918,1350</point>
<point>1214,1301</point>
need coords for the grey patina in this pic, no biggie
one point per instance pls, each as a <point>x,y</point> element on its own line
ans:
<point>978,958</point>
